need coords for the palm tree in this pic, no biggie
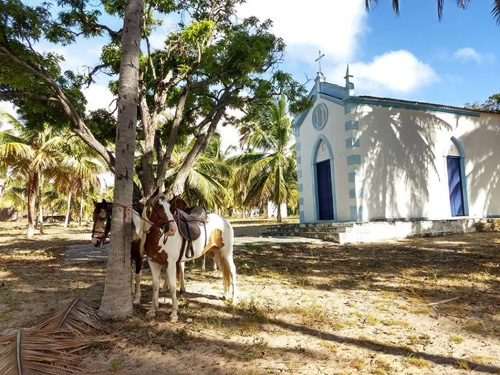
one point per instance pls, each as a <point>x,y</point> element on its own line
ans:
<point>495,11</point>
<point>206,183</point>
<point>77,171</point>
<point>269,157</point>
<point>19,147</point>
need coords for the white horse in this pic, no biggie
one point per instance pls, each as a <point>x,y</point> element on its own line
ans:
<point>165,246</point>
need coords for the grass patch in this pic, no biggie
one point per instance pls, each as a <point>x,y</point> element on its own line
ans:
<point>418,362</point>
<point>456,339</point>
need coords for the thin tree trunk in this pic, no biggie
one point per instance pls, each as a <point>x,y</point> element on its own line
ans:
<point>81,209</point>
<point>32,194</point>
<point>116,302</point>
<point>68,209</point>
<point>40,204</point>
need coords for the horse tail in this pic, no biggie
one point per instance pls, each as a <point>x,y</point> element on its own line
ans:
<point>226,274</point>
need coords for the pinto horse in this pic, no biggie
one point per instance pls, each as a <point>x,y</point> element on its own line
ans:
<point>166,246</point>
<point>100,235</point>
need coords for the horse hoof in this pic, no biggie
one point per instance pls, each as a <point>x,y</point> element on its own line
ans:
<point>150,313</point>
<point>174,319</point>
<point>136,302</point>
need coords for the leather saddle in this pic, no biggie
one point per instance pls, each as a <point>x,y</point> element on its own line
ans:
<point>190,223</point>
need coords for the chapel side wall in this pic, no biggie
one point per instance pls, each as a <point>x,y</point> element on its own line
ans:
<point>403,173</point>
<point>480,139</point>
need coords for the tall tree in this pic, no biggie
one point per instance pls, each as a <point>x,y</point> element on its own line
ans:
<point>23,155</point>
<point>211,62</point>
<point>495,11</point>
<point>116,302</point>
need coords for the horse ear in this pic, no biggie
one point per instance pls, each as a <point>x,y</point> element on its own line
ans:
<point>95,203</point>
<point>104,201</point>
<point>156,192</point>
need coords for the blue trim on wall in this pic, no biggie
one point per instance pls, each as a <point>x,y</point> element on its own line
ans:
<point>300,188</point>
<point>299,173</point>
<point>322,138</point>
<point>297,146</point>
<point>463,176</point>
<point>350,108</point>
<point>352,142</point>
<point>353,159</point>
<point>301,217</point>
<point>351,125</point>
<point>351,177</point>
<point>301,201</point>
<point>299,160</point>
<point>356,213</point>
<point>355,194</point>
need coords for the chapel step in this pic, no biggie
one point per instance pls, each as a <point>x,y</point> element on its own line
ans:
<point>325,231</point>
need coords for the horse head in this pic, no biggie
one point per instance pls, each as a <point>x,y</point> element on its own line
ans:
<point>177,203</point>
<point>102,223</point>
<point>160,214</point>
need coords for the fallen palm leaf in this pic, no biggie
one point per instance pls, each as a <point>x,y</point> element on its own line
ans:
<point>55,346</point>
<point>76,317</point>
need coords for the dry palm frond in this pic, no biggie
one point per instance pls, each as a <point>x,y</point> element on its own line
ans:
<point>77,317</point>
<point>50,353</point>
<point>55,346</point>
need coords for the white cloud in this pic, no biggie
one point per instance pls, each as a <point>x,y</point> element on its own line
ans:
<point>393,73</point>
<point>333,27</point>
<point>99,96</point>
<point>466,54</point>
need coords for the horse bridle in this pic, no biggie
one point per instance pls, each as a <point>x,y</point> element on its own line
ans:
<point>106,225</point>
<point>164,227</point>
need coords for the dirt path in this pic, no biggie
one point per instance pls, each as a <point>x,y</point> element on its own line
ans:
<point>419,306</point>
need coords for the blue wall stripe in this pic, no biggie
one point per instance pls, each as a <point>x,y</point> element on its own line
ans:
<point>352,142</point>
<point>351,125</point>
<point>353,159</point>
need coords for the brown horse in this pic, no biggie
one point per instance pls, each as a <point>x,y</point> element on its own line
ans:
<point>100,235</point>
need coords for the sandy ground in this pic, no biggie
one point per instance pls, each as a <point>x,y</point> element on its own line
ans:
<point>419,306</point>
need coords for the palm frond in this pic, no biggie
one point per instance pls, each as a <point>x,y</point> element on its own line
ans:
<point>77,317</point>
<point>55,346</point>
<point>49,353</point>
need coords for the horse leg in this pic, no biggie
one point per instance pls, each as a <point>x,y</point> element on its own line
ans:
<point>181,266</point>
<point>155,274</point>
<point>137,259</point>
<point>204,257</point>
<point>172,281</point>
<point>164,288</point>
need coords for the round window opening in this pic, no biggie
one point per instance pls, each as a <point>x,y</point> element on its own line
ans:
<point>320,115</point>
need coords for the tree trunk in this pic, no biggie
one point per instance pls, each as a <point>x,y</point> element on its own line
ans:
<point>40,205</point>
<point>81,209</point>
<point>32,191</point>
<point>116,302</point>
<point>68,209</point>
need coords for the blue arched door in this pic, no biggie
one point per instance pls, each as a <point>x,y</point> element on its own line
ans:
<point>455,185</point>
<point>324,193</point>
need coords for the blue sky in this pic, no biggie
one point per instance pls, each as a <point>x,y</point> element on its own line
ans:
<point>412,56</point>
